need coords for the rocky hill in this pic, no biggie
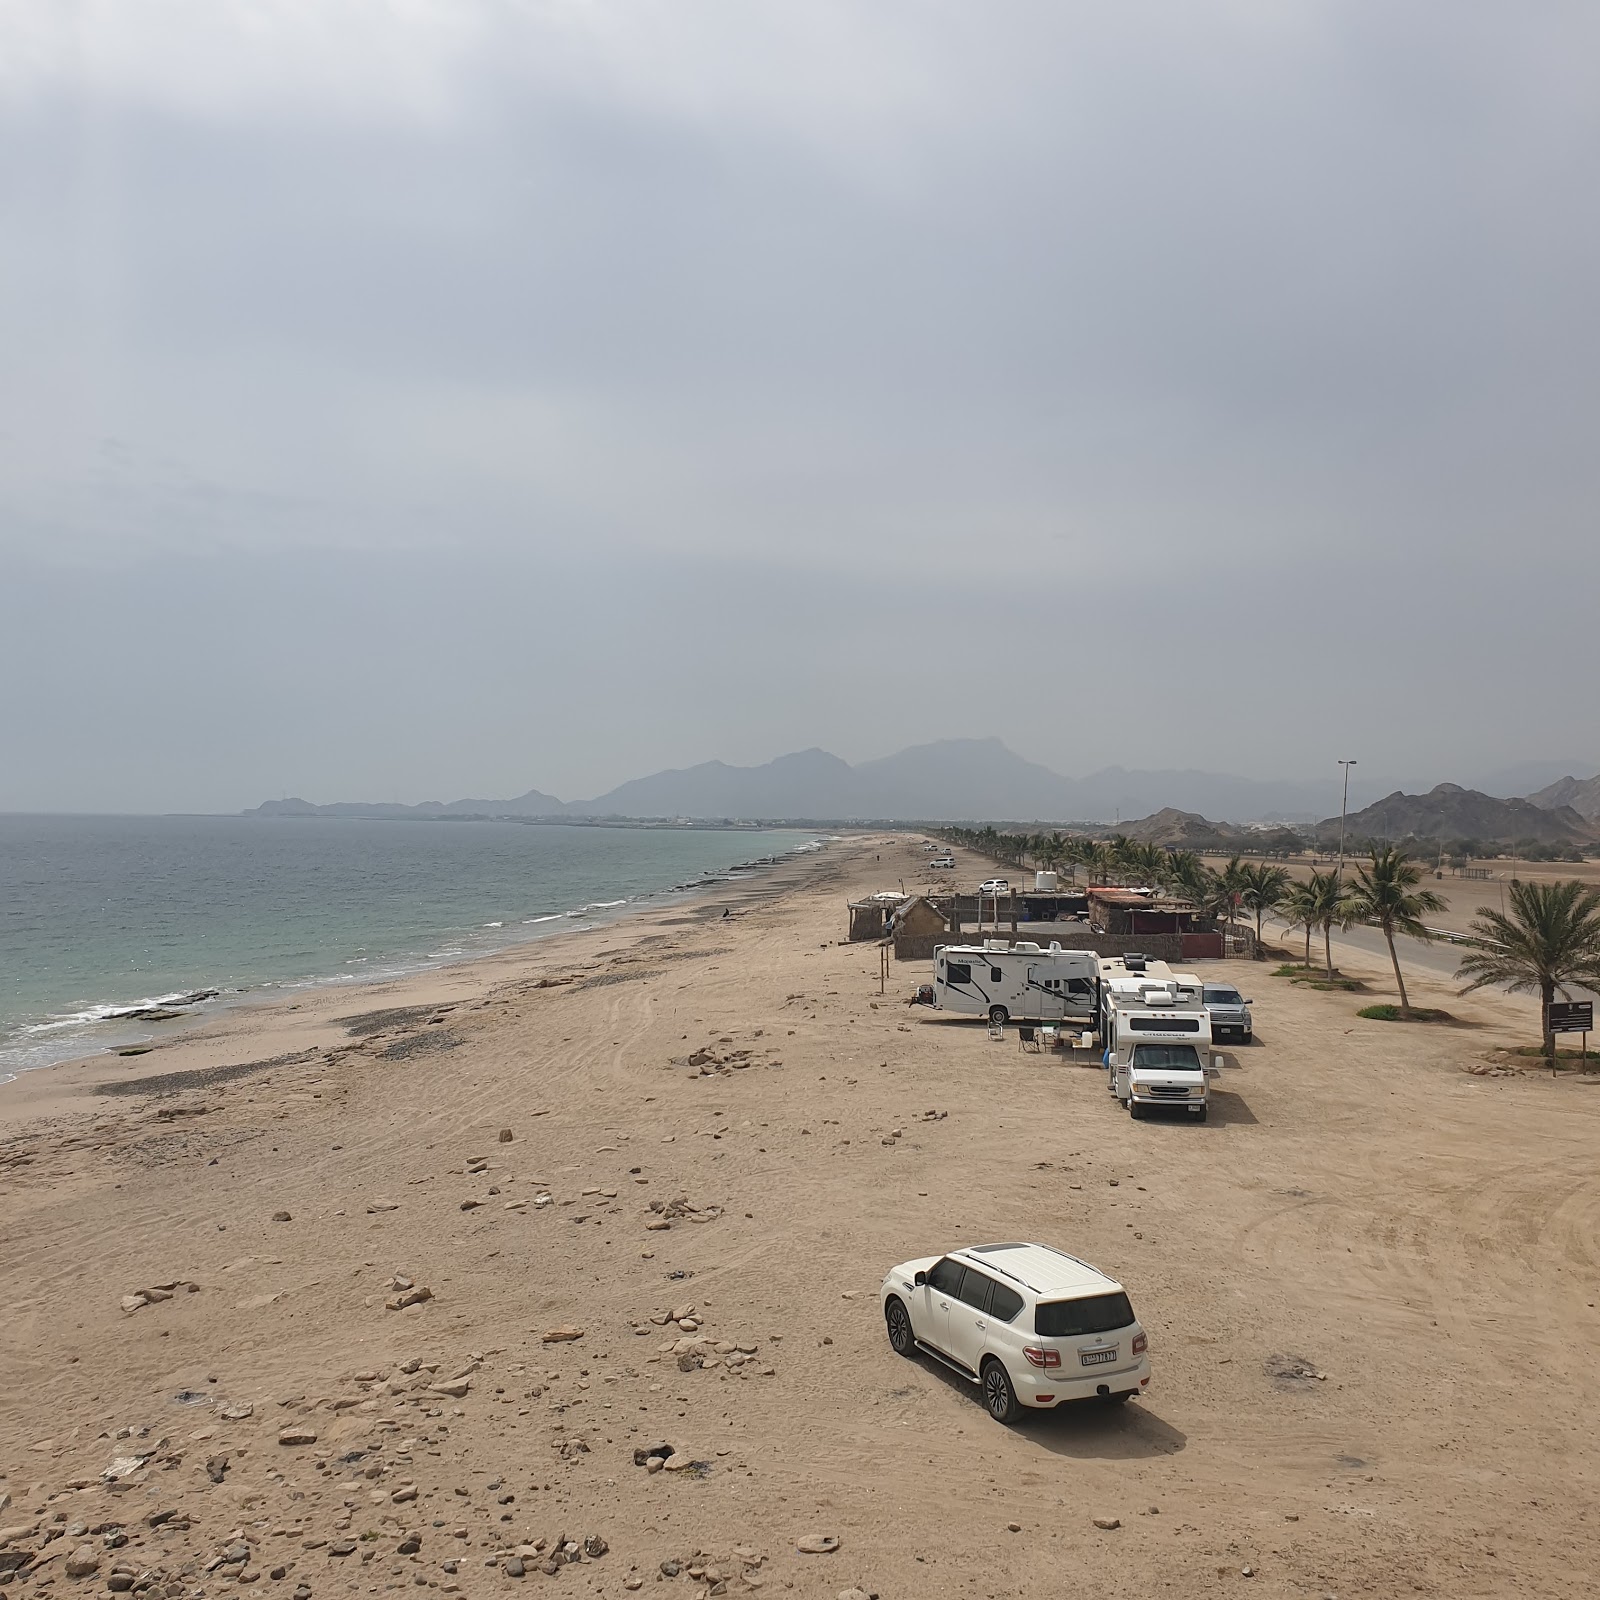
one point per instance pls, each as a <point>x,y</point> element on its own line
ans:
<point>1581,794</point>
<point>1448,811</point>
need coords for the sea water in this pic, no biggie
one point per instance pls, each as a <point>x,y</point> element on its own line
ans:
<point>102,914</point>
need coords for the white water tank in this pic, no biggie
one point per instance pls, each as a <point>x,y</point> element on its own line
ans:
<point>1044,882</point>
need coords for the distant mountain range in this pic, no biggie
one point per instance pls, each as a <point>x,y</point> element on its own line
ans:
<point>1582,794</point>
<point>952,780</point>
<point>1448,811</point>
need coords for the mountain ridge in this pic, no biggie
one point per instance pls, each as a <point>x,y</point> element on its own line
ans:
<point>948,780</point>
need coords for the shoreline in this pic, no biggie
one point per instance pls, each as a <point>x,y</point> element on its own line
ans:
<point>221,1000</point>
<point>303,1017</point>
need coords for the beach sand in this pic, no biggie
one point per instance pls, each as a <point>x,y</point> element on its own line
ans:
<point>1359,1207</point>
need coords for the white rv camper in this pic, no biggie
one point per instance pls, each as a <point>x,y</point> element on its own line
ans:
<point>1157,1036</point>
<point>1024,981</point>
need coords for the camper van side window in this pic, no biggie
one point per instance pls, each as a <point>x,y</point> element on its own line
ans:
<point>996,975</point>
<point>1079,986</point>
<point>959,972</point>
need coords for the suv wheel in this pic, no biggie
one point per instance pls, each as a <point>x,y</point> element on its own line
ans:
<point>1135,1110</point>
<point>901,1337</point>
<point>999,1016</point>
<point>998,1395</point>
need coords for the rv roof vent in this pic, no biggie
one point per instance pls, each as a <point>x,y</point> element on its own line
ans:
<point>1133,961</point>
<point>1055,945</point>
<point>1026,944</point>
<point>1162,996</point>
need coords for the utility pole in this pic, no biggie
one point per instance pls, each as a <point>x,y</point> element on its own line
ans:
<point>1344,805</point>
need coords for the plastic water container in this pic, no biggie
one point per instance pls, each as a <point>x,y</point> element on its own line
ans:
<point>1044,882</point>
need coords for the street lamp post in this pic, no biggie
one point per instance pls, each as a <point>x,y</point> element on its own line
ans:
<point>1344,805</point>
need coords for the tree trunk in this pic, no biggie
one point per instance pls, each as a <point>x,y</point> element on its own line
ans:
<point>1547,993</point>
<point>1327,948</point>
<point>1308,947</point>
<point>1400,983</point>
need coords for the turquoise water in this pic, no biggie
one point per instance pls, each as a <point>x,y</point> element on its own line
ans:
<point>100,914</point>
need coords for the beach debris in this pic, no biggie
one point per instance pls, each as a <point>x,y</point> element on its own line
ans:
<point>407,1294</point>
<point>470,1205</point>
<point>562,1335</point>
<point>157,1292</point>
<point>506,1136</point>
<point>680,1208</point>
<point>375,1206</point>
<point>817,1544</point>
<point>1292,1369</point>
<point>122,1467</point>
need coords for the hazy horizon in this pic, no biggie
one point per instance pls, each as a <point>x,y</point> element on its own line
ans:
<point>408,402</point>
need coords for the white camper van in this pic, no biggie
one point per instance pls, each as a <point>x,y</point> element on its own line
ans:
<point>1157,1037</point>
<point>1001,981</point>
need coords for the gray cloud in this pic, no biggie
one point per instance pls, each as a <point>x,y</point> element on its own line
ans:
<point>627,385</point>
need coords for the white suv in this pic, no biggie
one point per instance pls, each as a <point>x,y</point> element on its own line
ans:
<point>1029,1324</point>
<point>994,886</point>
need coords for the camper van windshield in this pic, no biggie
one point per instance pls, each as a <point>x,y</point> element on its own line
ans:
<point>1182,1057</point>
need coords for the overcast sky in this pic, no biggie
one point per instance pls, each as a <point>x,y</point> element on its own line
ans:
<point>407,399</point>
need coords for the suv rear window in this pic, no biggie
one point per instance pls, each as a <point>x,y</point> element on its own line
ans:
<point>1004,1303</point>
<point>1096,1313</point>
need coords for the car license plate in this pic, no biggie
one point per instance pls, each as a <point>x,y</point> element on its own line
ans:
<point>1096,1358</point>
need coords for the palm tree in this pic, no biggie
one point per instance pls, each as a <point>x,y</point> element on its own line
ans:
<point>1385,896</point>
<point>1302,905</point>
<point>1230,886</point>
<point>1319,902</point>
<point>1264,889</point>
<point>1187,872</point>
<point>1549,941</point>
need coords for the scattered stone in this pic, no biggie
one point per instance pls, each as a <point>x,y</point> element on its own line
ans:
<point>470,1205</point>
<point>594,1547</point>
<point>817,1544</point>
<point>382,1205</point>
<point>1108,1522</point>
<point>342,1547</point>
<point>402,1495</point>
<point>1013,1527</point>
<point>236,1411</point>
<point>562,1335</point>
<point>297,1434</point>
<point>83,1561</point>
<point>281,1216</point>
<point>514,1567</point>
<point>413,1296</point>
<point>506,1136</point>
<point>456,1388</point>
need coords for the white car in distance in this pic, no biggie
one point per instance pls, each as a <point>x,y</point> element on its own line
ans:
<point>994,886</point>
<point>1029,1324</point>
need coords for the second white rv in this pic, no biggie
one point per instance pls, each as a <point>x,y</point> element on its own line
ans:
<point>1157,1037</point>
<point>1024,981</point>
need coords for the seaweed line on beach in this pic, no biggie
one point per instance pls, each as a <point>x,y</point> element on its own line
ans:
<point>368,1022</point>
<point>421,1044</point>
<point>201,1077</point>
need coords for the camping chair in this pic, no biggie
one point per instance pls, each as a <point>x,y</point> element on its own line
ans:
<point>1027,1037</point>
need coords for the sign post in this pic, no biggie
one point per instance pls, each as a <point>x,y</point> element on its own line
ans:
<point>1573,1016</point>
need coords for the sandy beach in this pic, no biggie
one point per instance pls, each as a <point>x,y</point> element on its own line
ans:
<point>1370,1282</point>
